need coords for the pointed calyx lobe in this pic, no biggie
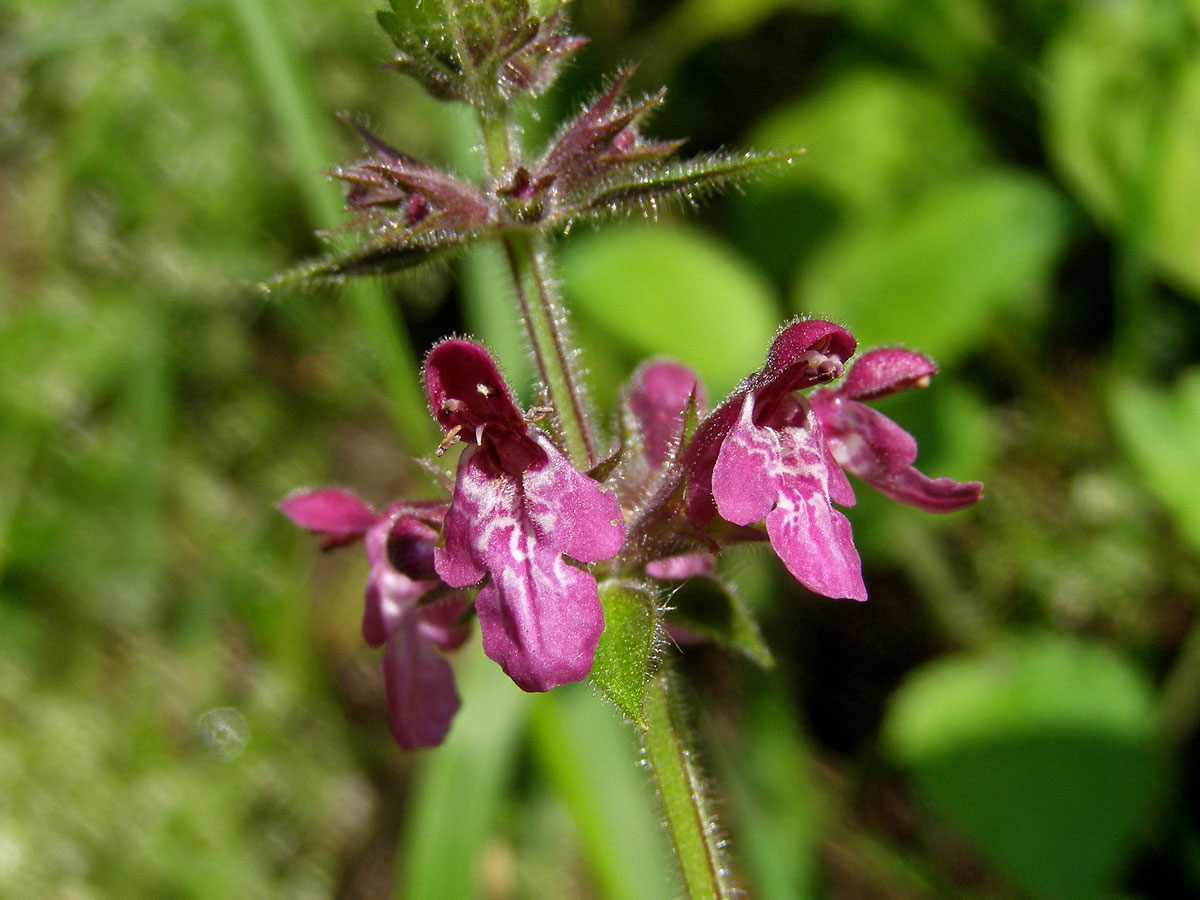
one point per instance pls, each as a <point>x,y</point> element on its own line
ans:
<point>407,609</point>
<point>769,454</point>
<point>518,508</point>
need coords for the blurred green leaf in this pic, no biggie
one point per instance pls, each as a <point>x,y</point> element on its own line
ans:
<point>874,139</point>
<point>462,786</point>
<point>874,142</point>
<point>626,650</point>
<point>712,609</point>
<point>589,756</point>
<point>949,36</point>
<point>1160,428</point>
<point>940,275</point>
<point>1042,750</point>
<point>776,803</point>
<point>675,291</point>
<point>1123,112</point>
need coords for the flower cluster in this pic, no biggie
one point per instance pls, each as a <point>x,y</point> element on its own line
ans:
<point>532,532</point>
<point>539,533</point>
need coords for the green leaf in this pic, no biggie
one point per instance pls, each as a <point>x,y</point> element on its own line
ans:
<point>776,805</point>
<point>1123,109</point>
<point>1042,750</point>
<point>874,140</point>
<point>674,291</point>
<point>687,181</point>
<point>949,36</point>
<point>712,609</point>
<point>625,655</point>
<point>1161,431</point>
<point>937,277</point>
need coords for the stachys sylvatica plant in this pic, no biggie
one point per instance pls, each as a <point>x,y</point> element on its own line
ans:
<point>562,538</point>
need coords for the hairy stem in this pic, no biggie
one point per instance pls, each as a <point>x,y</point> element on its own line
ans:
<point>544,323</point>
<point>543,314</point>
<point>691,823</point>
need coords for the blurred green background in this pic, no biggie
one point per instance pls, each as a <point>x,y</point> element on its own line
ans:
<point>186,708</point>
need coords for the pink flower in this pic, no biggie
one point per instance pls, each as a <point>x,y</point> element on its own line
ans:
<point>519,508</point>
<point>657,399</point>
<point>418,682</point>
<point>767,453</point>
<point>871,446</point>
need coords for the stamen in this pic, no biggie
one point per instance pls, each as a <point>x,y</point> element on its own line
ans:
<point>451,436</point>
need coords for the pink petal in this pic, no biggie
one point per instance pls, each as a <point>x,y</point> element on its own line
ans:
<point>540,617</point>
<point>681,567</point>
<point>802,337</point>
<point>329,511</point>
<point>419,687</point>
<point>658,397</point>
<point>745,479</point>
<point>886,371</point>
<point>569,511</point>
<point>477,494</point>
<point>812,538</point>
<point>390,593</point>
<point>439,621</point>
<point>466,390</point>
<point>877,450</point>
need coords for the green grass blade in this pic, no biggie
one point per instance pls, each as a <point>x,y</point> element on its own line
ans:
<point>288,93</point>
<point>588,756</point>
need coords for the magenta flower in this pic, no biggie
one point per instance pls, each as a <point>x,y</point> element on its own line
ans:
<point>871,446</point>
<point>767,453</point>
<point>657,401</point>
<point>418,682</point>
<point>658,397</point>
<point>519,507</point>
<point>761,455</point>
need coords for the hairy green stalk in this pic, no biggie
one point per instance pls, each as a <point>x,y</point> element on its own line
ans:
<point>544,320</point>
<point>691,823</point>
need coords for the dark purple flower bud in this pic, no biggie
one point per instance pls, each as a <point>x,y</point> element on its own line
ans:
<point>518,508</point>
<point>418,682</point>
<point>874,448</point>
<point>603,139</point>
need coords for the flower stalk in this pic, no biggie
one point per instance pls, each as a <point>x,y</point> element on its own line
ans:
<point>545,324</point>
<point>687,811</point>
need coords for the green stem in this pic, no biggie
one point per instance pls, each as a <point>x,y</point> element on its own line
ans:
<point>543,313</point>
<point>544,322</point>
<point>688,815</point>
